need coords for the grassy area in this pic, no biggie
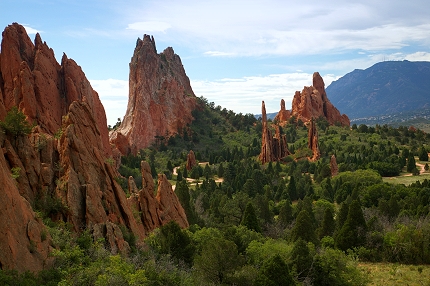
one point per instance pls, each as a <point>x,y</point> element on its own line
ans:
<point>406,180</point>
<point>389,274</point>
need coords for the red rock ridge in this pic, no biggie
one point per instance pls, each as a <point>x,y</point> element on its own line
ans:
<point>33,80</point>
<point>312,102</point>
<point>160,98</point>
<point>74,166</point>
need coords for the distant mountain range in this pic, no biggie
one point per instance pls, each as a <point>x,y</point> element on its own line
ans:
<point>386,88</point>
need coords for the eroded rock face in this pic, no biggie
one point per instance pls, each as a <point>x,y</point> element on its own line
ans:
<point>160,97</point>
<point>73,166</point>
<point>273,148</point>
<point>312,102</point>
<point>154,211</point>
<point>33,80</point>
<point>24,240</point>
<point>313,141</point>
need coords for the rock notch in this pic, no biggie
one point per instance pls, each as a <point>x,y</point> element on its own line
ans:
<point>160,98</point>
<point>273,148</point>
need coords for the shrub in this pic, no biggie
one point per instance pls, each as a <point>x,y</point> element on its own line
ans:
<point>15,123</point>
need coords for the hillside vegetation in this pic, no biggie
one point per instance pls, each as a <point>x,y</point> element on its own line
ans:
<point>282,223</point>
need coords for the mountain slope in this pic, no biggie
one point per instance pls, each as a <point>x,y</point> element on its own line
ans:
<point>384,88</point>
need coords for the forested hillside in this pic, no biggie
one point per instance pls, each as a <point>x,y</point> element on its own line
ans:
<point>282,223</point>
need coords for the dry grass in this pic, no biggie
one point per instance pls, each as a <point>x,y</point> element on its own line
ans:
<point>390,274</point>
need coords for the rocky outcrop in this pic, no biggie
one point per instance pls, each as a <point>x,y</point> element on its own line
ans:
<point>160,98</point>
<point>65,159</point>
<point>283,115</point>
<point>333,166</point>
<point>313,141</point>
<point>273,148</point>
<point>43,89</point>
<point>153,211</point>
<point>24,240</point>
<point>312,102</point>
<point>191,160</point>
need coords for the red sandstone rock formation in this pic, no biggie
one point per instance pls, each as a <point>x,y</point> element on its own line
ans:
<point>155,211</point>
<point>313,141</point>
<point>160,97</point>
<point>191,160</point>
<point>34,81</point>
<point>272,148</point>
<point>283,115</point>
<point>73,166</point>
<point>333,166</point>
<point>312,102</point>
<point>21,244</point>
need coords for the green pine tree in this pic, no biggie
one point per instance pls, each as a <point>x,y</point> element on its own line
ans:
<point>328,224</point>
<point>292,190</point>
<point>250,219</point>
<point>301,258</point>
<point>274,271</point>
<point>411,165</point>
<point>304,228</point>
<point>353,232</point>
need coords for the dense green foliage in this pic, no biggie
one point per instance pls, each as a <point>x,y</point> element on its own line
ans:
<point>284,222</point>
<point>15,123</point>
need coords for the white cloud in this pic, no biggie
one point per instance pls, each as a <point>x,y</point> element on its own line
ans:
<point>418,56</point>
<point>149,26</point>
<point>113,94</point>
<point>255,28</point>
<point>218,54</point>
<point>30,30</point>
<point>245,94</point>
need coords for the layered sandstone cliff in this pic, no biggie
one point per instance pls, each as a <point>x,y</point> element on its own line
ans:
<point>312,102</point>
<point>160,98</point>
<point>65,159</point>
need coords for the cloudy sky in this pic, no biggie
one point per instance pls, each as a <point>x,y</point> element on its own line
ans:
<point>236,53</point>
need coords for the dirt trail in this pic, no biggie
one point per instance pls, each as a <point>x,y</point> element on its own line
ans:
<point>420,167</point>
<point>193,181</point>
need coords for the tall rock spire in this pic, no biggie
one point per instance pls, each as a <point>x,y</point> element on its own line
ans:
<point>160,98</point>
<point>273,148</point>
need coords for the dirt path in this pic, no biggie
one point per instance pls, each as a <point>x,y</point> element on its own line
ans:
<point>420,167</point>
<point>193,181</point>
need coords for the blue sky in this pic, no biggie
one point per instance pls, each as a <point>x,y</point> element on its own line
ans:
<point>236,53</point>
